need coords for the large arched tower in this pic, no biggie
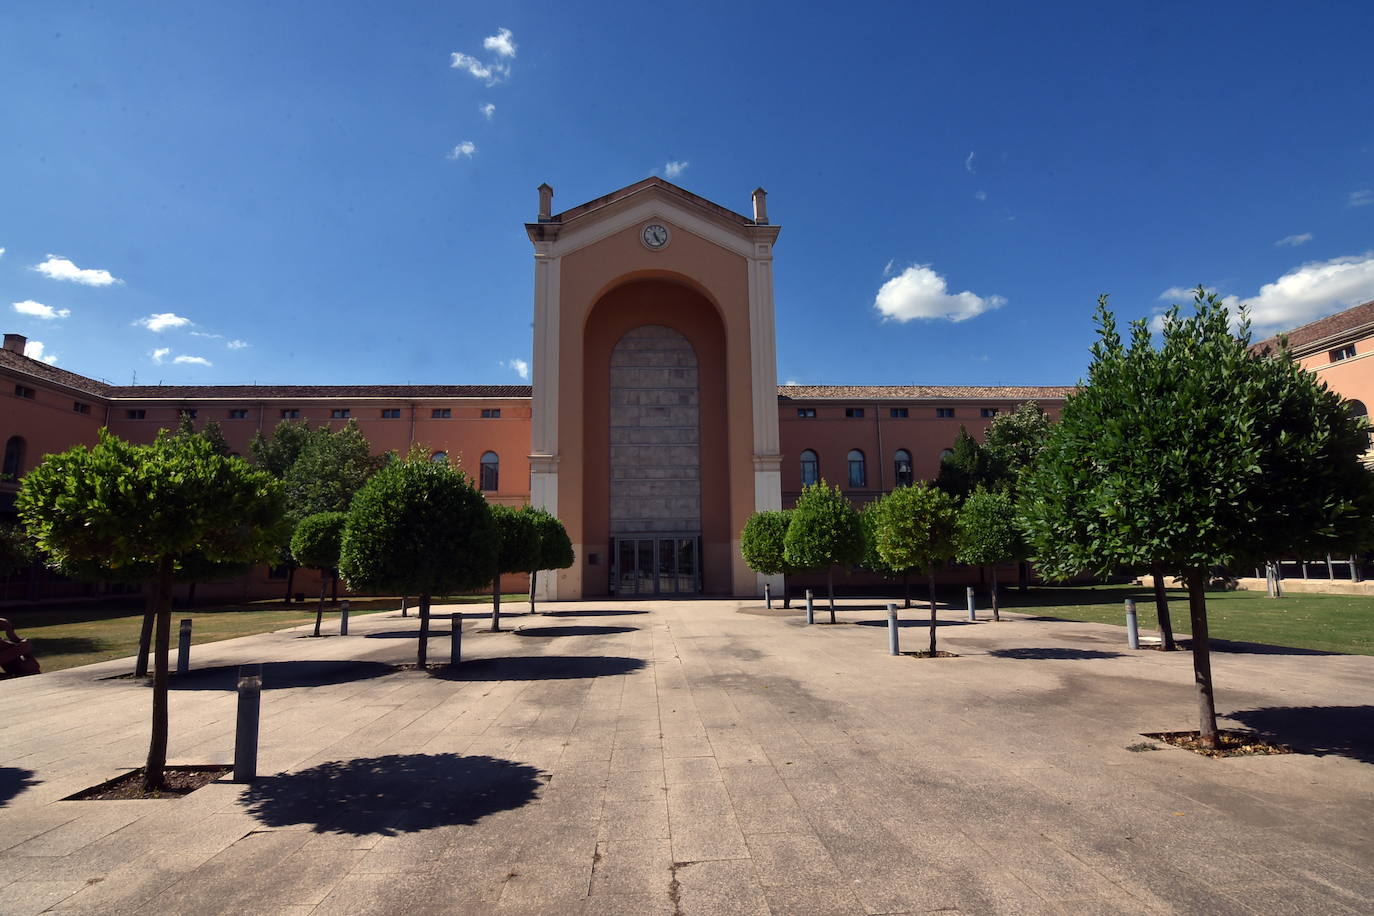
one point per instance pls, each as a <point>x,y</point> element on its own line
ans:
<point>655,414</point>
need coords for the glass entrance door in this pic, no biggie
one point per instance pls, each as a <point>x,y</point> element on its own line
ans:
<point>656,566</point>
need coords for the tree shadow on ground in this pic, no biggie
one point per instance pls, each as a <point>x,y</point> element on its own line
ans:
<point>539,668</point>
<point>1255,648</point>
<point>398,793</point>
<point>1052,653</point>
<point>591,613</point>
<point>411,634</point>
<point>14,781</point>
<point>904,622</point>
<point>64,645</point>
<point>1346,731</point>
<point>574,631</point>
<point>282,675</point>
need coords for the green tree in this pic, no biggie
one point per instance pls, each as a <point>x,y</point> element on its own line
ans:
<point>761,544</point>
<point>329,469</point>
<point>965,467</point>
<point>1195,455</point>
<point>316,544</point>
<point>276,454</point>
<point>870,517</point>
<point>824,532</point>
<point>519,536</point>
<point>555,548</point>
<point>418,528</point>
<point>1012,443</point>
<point>986,535</point>
<point>16,550</point>
<point>120,505</point>
<point>916,531</point>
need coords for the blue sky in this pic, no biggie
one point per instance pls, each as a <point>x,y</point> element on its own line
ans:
<point>313,193</point>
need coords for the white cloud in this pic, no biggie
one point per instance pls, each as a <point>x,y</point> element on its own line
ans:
<point>161,321</point>
<point>501,43</point>
<point>1361,198</point>
<point>34,350</point>
<point>160,354</point>
<point>1180,294</point>
<point>490,73</point>
<point>463,150</point>
<point>919,292</point>
<point>969,166</point>
<point>39,310</point>
<point>207,334</point>
<point>980,195</point>
<point>675,168</point>
<point>790,382</point>
<point>59,268</point>
<point>487,109</point>
<point>2,252</point>
<point>520,367</point>
<point>887,268</point>
<point>237,344</point>
<point>1293,241</point>
<point>191,361</point>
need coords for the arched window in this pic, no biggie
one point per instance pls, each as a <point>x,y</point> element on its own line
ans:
<point>1357,409</point>
<point>14,457</point>
<point>491,472</point>
<point>439,457</point>
<point>901,468</point>
<point>810,468</point>
<point>857,475</point>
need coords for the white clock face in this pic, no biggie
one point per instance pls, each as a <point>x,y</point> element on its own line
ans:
<point>655,235</point>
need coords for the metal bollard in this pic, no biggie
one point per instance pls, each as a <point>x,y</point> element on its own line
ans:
<point>892,630</point>
<point>455,649</point>
<point>343,617</point>
<point>405,606</point>
<point>810,608</point>
<point>767,596</point>
<point>972,607</point>
<point>246,732</point>
<point>184,647</point>
<point>1132,630</point>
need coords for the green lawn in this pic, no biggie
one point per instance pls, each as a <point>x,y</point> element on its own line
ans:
<point>64,637</point>
<point>1327,623</point>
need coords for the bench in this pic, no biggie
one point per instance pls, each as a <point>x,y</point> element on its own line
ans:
<point>16,655</point>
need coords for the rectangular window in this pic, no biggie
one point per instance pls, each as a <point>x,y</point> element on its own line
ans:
<point>806,413</point>
<point>391,413</point>
<point>136,414</point>
<point>987,412</point>
<point>944,413</point>
<point>440,413</point>
<point>189,412</point>
<point>339,413</point>
<point>24,391</point>
<point>491,413</point>
<point>898,413</point>
<point>854,413</point>
<point>238,413</point>
<point>1341,353</point>
<point>80,407</point>
<point>290,413</point>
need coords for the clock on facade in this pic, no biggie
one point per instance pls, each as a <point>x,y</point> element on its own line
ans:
<point>654,235</point>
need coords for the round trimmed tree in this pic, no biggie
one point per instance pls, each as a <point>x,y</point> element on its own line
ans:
<point>555,547</point>
<point>986,535</point>
<point>916,531</point>
<point>824,532</point>
<point>315,544</point>
<point>418,527</point>
<point>518,552</point>
<point>761,545</point>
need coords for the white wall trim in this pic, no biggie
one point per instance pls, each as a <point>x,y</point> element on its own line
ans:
<point>597,226</point>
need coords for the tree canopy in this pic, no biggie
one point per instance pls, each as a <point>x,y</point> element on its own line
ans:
<point>519,550</point>
<point>1013,442</point>
<point>823,532</point>
<point>555,547</point>
<point>915,530</point>
<point>986,534</point>
<point>317,540</point>
<point>328,470</point>
<point>761,543</point>
<point>964,467</point>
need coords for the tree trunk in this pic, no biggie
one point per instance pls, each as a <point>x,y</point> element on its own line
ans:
<point>495,604</point>
<point>1166,623</point>
<point>319,610</point>
<point>290,581</point>
<point>157,743</point>
<point>932,613</point>
<point>533,573</point>
<point>786,599</point>
<point>145,635</point>
<point>992,588</point>
<point>334,587</point>
<point>422,653</point>
<point>1202,657</point>
<point>1023,576</point>
<point>830,580</point>
<point>906,587</point>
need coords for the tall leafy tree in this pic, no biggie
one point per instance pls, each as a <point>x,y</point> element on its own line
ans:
<point>916,531</point>
<point>418,528</point>
<point>965,467</point>
<point>519,551</point>
<point>824,532</point>
<point>870,516</point>
<point>329,469</point>
<point>1194,455</point>
<point>316,544</point>
<point>555,547</point>
<point>761,543</point>
<point>1012,443</point>
<point>986,535</point>
<point>278,452</point>
<point>119,505</point>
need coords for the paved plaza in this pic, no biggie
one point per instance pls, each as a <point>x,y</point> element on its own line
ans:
<point>699,757</point>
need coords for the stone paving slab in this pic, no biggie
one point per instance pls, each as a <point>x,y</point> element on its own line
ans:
<point>699,757</point>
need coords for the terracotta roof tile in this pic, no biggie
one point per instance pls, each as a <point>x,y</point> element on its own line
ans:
<point>1323,328</point>
<point>310,392</point>
<point>44,372</point>
<point>924,392</point>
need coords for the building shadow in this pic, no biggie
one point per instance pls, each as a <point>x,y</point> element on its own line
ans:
<point>590,613</point>
<point>14,781</point>
<point>539,668</point>
<point>573,631</point>
<point>282,675</point>
<point>904,622</point>
<point>398,793</point>
<point>1052,653</point>
<point>1345,731</point>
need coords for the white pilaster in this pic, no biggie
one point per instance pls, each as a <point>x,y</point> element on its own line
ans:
<point>544,398</point>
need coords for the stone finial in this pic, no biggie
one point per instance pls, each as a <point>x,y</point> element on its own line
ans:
<point>545,202</point>
<point>761,206</point>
